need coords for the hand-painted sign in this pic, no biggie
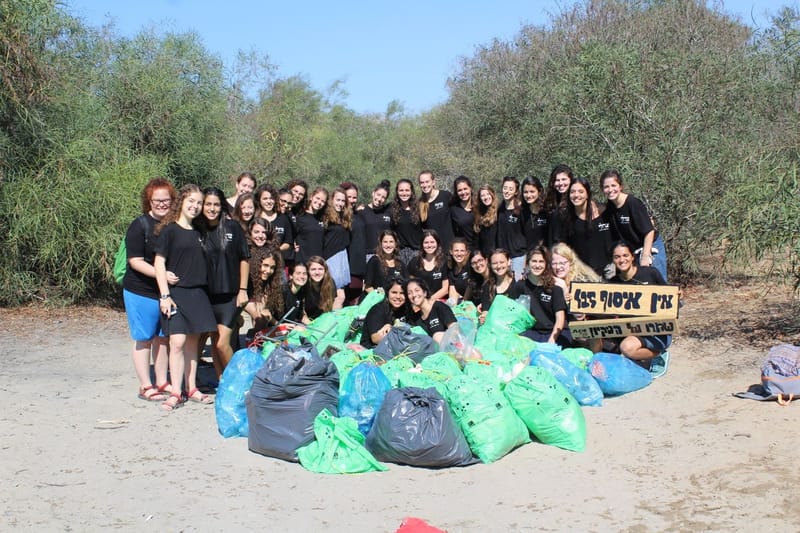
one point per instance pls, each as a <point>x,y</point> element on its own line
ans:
<point>654,301</point>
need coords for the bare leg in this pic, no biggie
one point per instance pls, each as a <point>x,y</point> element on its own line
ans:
<point>222,348</point>
<point>632,348</point>
<point>190,361</point>
<point>141,362</point>
<point>160,354</point>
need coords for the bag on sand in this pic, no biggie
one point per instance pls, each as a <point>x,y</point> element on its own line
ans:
<point>362,395</point>
<point>548,409</point>
<point>288,392</point>
<point>229,406</point>
<point>780,376</point>
<point>617,375</point>
<point>580,383</point>
<point>414,427</point>
<point>338,448</point>
<point>488,421</point>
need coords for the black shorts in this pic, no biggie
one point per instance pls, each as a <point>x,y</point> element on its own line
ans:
<point>225,310</point>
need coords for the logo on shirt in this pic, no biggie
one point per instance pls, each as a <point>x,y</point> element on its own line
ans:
<point>433,323</point>
<point>624,220</point>
<point>545,298</point>
<point>603,226</point>
<point>437,275</point>
<point>512,219</point>
<point>387,218</point>
<point>279,230</point>
<point>229,236</point>
<point>438,205</point>
<point>321,224</point>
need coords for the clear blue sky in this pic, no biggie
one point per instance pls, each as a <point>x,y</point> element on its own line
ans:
<point>383,51</point>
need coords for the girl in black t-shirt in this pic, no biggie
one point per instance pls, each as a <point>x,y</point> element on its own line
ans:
<point>320,292</point>
<point>535,220</point>
<point>478,277</point>
<point>309,236</point>
<point>227,254</point>
<point>581,225</point>
<point>432,315</point>
<point>338,221</point>
<point>245,183</point>
<point>500,282</point>
<point>486,220</point>
<point>356,250</point>
<point>377,217</point>
<point>548,306</point>
<point>434,208</point>
<point>140,290</point>
<point>458,269</point>
<point>431,266</point>
<point>294,292</point>
<point>509,225</point>
<point>406,220</point>
<point>382,316</point>
<point>556,194</point>
<point>266,306</point>
<point>186,311</point>
<point>462,207</point>
<point>244,210</point>
<point>385,264</point>
<point>267,199</point>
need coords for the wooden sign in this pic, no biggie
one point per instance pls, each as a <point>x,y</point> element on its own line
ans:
<point>653,301</point>
<point>623,327</point>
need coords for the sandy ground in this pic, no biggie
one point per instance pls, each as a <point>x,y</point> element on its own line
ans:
<point>80,452</point>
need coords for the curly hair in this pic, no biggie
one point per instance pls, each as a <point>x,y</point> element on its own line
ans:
<point>152,186</point>
<point>578,270</point>
<point>265,187</point>
<point>398,207</point>
<point>268,292</point>
<point>177,206</point>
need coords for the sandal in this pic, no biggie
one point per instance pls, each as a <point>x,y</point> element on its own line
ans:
<point>164,387</point>
<point>169,405</point>
<point>205,399</point>
<point>151,394</point>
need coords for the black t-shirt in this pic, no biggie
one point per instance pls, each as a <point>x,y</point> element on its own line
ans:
<point>514,290</point>
<point>292,300</point>
<point>591,242</point>
<point>439,218</point>
<point>434,278</point>
<point>509,231</point>
<point>357,250</point>
<point>309,236</point>
<point>645,275</point>
<point>410,234</point>
<point>459,280</point>
<point>631,222</point>
<point>440,317</point>
<point>544,305</point>
<point>377,317</point>
<point>463,225</point>
<point>225,247</point>
<point>377,278</point>
<point>536,228</point>
<point>183,250</point>
<point>284,231</point>
<point>336,239</point>
<point>487,239</point>
<point>475,289</point>
<point>140,242</point>
<point>375,221</point>
<point>312,301</point>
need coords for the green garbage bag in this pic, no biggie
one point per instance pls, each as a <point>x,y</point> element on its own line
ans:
<point>548,409</point>
<point>579,357</point>
<point>422,380</point>
<point>506,316</point>
<point>483,370</point>
<point>266,349</point>
<point>441,363</point>
<point>345,361</point>
<point>338,448</point>
<point>370,300</point>
<point>488,421</point>
<point>330,326</point>
<point>393,367</point>
<point>466,310</point>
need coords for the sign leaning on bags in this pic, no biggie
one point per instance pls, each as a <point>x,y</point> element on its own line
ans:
<point>646,310</point>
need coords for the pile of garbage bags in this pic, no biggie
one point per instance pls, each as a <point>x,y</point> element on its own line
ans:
<point>485,390</point>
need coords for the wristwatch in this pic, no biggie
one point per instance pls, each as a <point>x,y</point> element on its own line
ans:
<point>164,296</point>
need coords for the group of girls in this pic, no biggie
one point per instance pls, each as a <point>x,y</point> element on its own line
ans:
<point>197,259</point>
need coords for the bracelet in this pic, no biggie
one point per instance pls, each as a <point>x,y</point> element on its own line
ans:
<point>164,296</point>
<point>242,288</point>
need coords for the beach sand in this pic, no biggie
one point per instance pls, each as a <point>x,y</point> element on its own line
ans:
<point>80,452</point>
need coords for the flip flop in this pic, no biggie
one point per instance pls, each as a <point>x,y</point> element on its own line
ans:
<point>155,395</point>
<point>205,399</point>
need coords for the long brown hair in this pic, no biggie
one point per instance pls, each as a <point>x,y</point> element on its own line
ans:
<point>326,288</point>
<point>269,292</point>
<point>485,216</point>
<point>175,208</point>
<point>331,216</point>
<point>547,277</point>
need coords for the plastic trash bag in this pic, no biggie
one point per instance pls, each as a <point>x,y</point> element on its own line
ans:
<point>580,384</point>
<point>488,421</point>
<point>459,340</point>
<point>392,368</point>
<point>402,340</point>
<point>370,300</point>
<point>579,357</point>
<point>236,380</point>
<point>362,394</point>
<point>617,375</point>
<point>338,448</point>
<point>287,393</point>
<point>507,316</point>
<point>548,409</point>
<point>345,361</point>
<point>414,427</point>
<point>442,364</point>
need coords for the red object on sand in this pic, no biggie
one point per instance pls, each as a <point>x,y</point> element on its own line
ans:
<point>417,525</point>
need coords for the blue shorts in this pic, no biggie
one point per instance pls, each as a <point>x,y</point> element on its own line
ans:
<point>656,343</point>
<point>144,316</point>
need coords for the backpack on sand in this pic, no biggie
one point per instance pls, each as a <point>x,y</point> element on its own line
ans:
<point>780,376</point>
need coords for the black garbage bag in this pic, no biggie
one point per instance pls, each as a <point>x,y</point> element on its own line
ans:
<point>404,340</point>
<point>414,427</point>
<point>288,392</point>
